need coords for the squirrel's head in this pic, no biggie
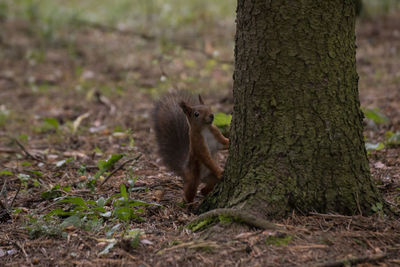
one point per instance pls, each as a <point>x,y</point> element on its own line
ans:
<point>199,116</point>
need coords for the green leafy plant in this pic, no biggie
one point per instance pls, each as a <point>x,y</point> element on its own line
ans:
<point>6,172</point>
<point>48,124</point>
<point>90,214</point>
<point>378,209</point>
<point>38,226</point>
<point>63,162</point>
<point>26,180</point>
<point>222,121</point>
<point>52,123</point>
<point>392,139</point>
<point>132,238</point>
<point>36,173</point>
<point>97,151</point>
<point>105,165</point>
<point>113,230</point>
<point>129,240</point>
<point>87,215</point>
<point>81,208</point>
<point>375,115</point>
<point>55,192</point>
<point>377,146</point>
<point>82,170</point>
<point>26,163</point>
<point>23,137</point>
<point>126,209</point>
<point>118,129</point>
<point>131,142</point>
<point>131,183</point>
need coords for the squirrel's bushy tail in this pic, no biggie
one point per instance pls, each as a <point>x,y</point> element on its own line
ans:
<point>172,129</point>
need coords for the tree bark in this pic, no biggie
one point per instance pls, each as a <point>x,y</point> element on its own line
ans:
<point>296,134</point>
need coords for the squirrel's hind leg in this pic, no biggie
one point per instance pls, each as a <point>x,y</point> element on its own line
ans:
<point>190,184</point>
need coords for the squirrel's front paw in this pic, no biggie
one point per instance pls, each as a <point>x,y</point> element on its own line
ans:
<point>226,143</point>
<point>219,173</point>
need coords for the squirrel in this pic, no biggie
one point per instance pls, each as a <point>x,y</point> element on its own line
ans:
<point>188,141</point>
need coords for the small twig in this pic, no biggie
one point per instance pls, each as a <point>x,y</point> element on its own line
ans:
<point>26,151</point>
<point>120,167</point>
<point>129,255</point>
<point>312,246</point>
<point>331,215</point>
<point>191,245</point>
<point>240,216</point>
<point>21,247</point>
<point>352,261</point>
<point>16,194</point>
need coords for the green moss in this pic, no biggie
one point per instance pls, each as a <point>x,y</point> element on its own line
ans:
<point>201,225</point>
<point>226,219</point>
<point>210,221</point>
<point>278,240</point>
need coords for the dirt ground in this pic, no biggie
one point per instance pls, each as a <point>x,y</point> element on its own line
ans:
<point>99,84</point>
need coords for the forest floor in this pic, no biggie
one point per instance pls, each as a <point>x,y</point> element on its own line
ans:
<point>68,104</point>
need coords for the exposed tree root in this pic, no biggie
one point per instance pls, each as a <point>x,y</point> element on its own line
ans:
<point>231,215</point>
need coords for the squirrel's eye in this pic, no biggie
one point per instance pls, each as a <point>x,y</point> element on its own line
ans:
<point>196,113</point>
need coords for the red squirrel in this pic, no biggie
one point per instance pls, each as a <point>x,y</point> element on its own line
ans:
<point>188,141</point>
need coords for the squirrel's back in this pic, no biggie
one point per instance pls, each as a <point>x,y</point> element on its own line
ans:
<point>172,129</point>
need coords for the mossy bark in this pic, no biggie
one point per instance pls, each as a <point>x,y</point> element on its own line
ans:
<point>296,133</point>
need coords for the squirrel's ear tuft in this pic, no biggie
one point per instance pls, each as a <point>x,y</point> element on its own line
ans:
<point>186,109</point>
<point>201,100</point>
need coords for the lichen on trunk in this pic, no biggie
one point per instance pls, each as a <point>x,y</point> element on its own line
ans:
<point>296,133</point>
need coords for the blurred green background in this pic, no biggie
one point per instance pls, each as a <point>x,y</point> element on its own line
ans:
<point>156,17</point>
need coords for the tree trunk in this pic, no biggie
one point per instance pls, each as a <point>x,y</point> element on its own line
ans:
<point>296,134</point>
